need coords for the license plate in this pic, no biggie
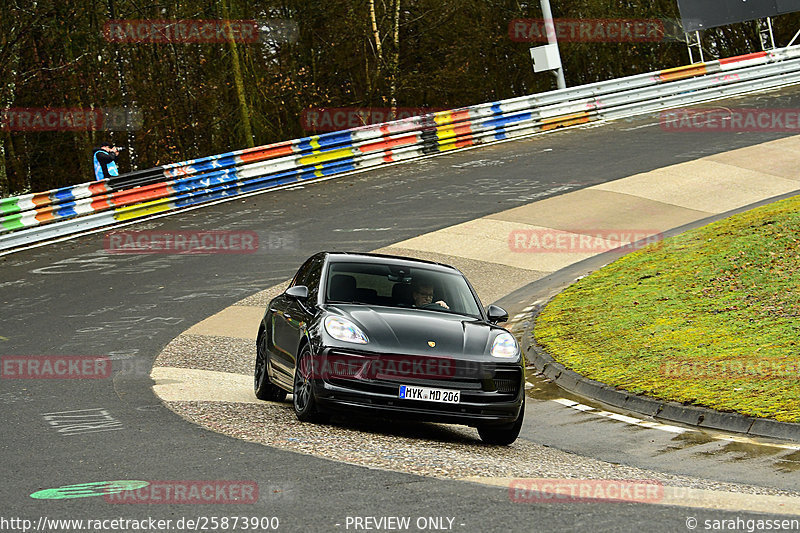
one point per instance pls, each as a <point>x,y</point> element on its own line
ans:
<point>429,395</point>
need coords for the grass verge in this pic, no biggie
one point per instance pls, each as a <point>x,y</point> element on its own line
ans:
<point>710,317</point>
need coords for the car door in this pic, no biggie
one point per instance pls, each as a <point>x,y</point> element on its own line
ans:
<point>291,316</point>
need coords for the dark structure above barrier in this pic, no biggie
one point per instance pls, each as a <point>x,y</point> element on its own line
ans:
<point>704,14</point>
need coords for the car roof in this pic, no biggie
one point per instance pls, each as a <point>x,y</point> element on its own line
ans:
<point>384,259</point>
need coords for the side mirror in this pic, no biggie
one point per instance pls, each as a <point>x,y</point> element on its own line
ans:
<point>496,314</point>
<point>298,292</point>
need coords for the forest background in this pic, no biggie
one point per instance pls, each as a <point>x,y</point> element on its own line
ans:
<point>201,98</point>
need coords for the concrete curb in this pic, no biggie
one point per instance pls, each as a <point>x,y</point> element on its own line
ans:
<point>579,385</point>
<point>690,415</point>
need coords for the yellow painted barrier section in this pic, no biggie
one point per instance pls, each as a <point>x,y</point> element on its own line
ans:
<point>449,144</point>
<point>565,120</point>
<point>678,73</point>
<point>323,157</point>
<point>442,117</point>
<point>445,133</point>
<point>146,208</point>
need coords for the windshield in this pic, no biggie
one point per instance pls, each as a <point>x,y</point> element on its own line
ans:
<point>400,286</point>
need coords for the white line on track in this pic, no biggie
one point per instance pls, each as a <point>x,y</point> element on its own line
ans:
<point>364,229</point>
<point>668,428</point>
<point>642,126</point>
<point>621,418</point>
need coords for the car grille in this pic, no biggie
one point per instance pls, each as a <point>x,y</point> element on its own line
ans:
<point>506,385</point>
<point>478,382</point>
<point>505,380</point>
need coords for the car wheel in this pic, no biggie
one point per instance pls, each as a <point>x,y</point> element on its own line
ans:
<point>303,399</point>
<point>503,435</point>
<point>263,388</point>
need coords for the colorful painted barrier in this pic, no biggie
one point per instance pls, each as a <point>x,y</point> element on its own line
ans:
<point>189,183</point>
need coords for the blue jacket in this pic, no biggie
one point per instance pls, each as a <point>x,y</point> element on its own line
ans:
<point>105,165</point>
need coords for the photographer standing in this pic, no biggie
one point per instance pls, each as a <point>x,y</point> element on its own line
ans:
<point>104,159</point>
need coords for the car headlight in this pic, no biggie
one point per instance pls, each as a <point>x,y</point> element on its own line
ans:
<point>344,330</point>
<point>504,346</point>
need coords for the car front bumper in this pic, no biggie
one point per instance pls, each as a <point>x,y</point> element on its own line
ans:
<point>490,393</point>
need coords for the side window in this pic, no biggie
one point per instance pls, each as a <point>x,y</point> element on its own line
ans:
<point>309,275</point>
<point>312,282</point>
<point>302,273</point>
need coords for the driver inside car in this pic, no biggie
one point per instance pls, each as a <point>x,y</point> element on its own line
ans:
<point>422,292</point>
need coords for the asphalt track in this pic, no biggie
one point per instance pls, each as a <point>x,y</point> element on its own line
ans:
<point>72,298</point>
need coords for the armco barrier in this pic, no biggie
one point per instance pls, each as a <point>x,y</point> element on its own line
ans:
<point>35,217</point>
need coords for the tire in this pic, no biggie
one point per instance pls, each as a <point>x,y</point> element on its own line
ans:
<point>503,435</point>
<point>303,399</point>
<point>263,388</point>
